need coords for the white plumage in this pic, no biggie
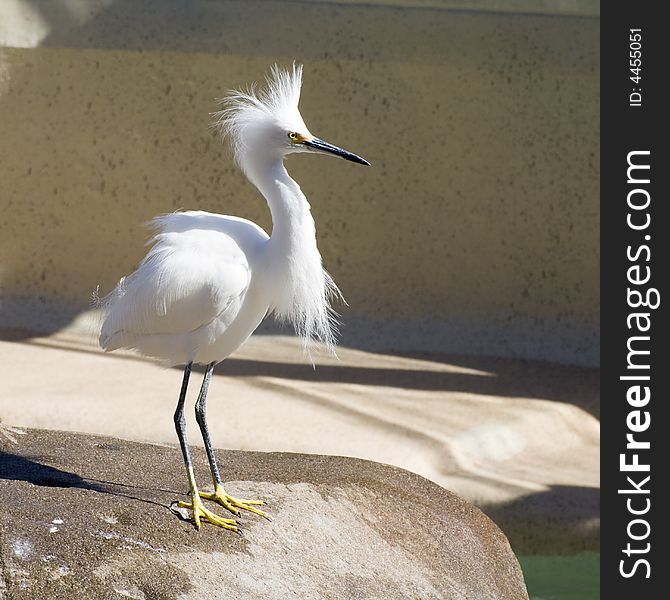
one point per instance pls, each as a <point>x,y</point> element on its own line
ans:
<point>209,280</point>
<point>184,303</point>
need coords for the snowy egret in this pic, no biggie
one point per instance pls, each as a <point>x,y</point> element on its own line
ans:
<point>209,280</point>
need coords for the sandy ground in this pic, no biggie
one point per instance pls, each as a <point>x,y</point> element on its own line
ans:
<point>492,430</point>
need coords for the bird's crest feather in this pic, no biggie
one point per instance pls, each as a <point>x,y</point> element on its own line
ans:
<point>276,102</point>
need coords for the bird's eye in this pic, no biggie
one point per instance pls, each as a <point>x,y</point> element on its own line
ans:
<point>293,136</point>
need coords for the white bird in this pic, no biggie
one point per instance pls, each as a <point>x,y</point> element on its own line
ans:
<point>209,280</point>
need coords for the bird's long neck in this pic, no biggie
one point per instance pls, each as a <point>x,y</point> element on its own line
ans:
<point>292,222</point>
<point>302,290</point>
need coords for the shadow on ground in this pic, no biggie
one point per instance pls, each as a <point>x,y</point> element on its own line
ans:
<point>560,520</point>
<point>18,468</point>
<point>514,378</point>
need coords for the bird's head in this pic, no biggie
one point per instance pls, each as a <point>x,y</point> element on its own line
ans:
<point>266,123</point>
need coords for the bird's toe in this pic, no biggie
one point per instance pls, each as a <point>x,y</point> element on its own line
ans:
<point>234,504</point>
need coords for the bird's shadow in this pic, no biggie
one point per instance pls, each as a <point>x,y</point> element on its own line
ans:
<point>18,468</point>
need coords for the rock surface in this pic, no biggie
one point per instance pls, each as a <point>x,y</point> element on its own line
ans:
<point>89,517</point>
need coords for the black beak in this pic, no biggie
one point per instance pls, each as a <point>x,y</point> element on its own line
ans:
<point>322,146</point>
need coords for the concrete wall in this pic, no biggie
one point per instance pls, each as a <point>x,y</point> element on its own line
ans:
<point>476,230</point>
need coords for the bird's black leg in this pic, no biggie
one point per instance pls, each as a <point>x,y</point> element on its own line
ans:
<point>180,422</point>
<point>201,418</point>
<point>199,511</point>
<point>218,495</point>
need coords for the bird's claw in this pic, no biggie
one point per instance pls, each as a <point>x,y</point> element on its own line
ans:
<point>200,512</point>
<point>233,504</point>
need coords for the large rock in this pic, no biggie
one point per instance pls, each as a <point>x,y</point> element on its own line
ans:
<point>89,517</point>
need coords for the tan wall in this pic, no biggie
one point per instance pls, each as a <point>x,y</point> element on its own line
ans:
<point>476,230</point>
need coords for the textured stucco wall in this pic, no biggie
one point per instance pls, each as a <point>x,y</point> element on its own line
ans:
<point>476,230</point>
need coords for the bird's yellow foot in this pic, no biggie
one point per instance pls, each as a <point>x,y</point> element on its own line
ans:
<point>200,512</point>
<point>233,504</point>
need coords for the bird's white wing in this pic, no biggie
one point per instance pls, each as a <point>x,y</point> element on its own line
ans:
<point>187,279</point>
